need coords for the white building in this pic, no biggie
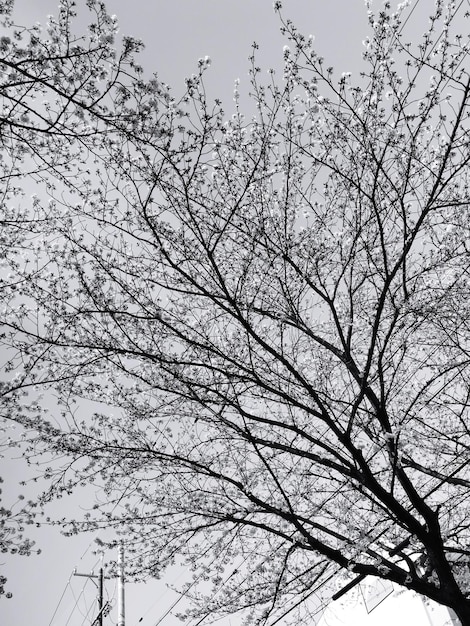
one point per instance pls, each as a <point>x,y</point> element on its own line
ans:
<point>377,603</point>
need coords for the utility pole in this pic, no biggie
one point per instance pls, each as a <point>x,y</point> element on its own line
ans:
<point>121,581</point>
<point>100,598</point>
<point>103,609</point>
<point>98,621</point>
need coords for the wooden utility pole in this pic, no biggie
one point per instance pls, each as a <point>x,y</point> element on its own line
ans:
<point>100,598</point>
<point>98,621</point>
<point>102,607</point>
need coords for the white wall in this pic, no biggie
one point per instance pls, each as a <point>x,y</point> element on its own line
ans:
<point>400,608</point>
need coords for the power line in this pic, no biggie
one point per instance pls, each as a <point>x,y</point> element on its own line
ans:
<point>67,584</point>
<point>75,606</point>
<point>86,619</point>
<point>60,600</point>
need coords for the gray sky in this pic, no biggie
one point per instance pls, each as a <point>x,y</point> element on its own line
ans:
<point>176,34</point>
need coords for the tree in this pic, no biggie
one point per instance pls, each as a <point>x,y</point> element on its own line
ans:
<point>257,328</point>
<point>52,94</point>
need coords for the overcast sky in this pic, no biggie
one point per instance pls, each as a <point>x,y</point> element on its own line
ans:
<point>176,34</point>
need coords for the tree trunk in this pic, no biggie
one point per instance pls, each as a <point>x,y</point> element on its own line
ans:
<point>463,612</point>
